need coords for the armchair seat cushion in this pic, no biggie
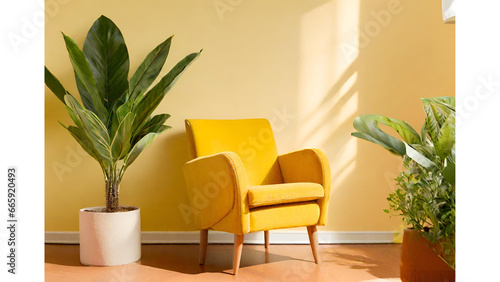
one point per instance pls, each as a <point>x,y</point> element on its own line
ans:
<point>275,194</point>
<point>284,216</point>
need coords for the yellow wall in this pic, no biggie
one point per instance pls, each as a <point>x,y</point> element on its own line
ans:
<point>320,62</point>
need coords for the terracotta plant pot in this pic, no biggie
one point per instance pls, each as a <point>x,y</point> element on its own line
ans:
<point>420,263</point>
<point>108,239</point>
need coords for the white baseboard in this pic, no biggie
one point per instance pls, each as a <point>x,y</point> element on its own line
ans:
<point>216,237</point>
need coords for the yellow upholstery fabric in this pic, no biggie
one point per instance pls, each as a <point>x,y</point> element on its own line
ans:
<point>267,195</point>
<point>284,216</point>
<point>235,164</point>
<point>217,185</point>
<point>251,139</point>
<point>308,165</point>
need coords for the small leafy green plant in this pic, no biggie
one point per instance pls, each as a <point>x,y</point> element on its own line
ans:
<point>425,197</point>
<point>114,124</point>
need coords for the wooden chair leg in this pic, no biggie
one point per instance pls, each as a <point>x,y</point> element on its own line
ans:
<point>313,239</point>
<point>266,239</point>
<point>203,245</point>
<point>238,247</point>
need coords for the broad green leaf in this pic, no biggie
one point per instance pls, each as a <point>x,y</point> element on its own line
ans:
<point>367,137</point>
<point>153,97</point>
<point>440,123</point>
<point>424,135</point>
<point>123,110</point>
<point>54,85</point>
<point>158,128</point>
<point>438,106</point>
<point>153,125</point>
<point>153,122</point>
<point>445,102</point>
<point>85,95</point>
<point>407,133</point>
<point>149,70</point>
<point>138,148</point>
<point>418,157</point>
<point>449,171</point>
<point>120,144</point>
<point>123,99</point>
<point>446,137</point>
<point>76,119</point>
<point>156,120</point>
<point>428,151</point>
<point>118,116</point>
<point>442,109</point>
<point>85,80</point>
<point>432,120</point>
<point>368,126</point>
<point>107,56</point>
<point>93,127</point>
<point>80,136</point>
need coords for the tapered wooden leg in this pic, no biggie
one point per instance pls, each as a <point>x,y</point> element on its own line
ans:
<point>238,247</point>
<point>313,239</point>
<point>203,245</point>
<point>266,239</point>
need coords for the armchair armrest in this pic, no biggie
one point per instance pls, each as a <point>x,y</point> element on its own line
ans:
<point>308,165</point>
<point>217,185</point>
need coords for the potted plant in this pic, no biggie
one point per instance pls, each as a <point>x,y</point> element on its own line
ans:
<point>114,124</point>
<point>425,196</point>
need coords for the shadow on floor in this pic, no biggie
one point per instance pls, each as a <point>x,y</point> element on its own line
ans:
<point>68,255</point>
<point>340,263</point>
<point>376,259</point>
<point>178,258</point>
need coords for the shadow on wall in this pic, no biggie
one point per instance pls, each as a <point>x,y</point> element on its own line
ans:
<point>160,183</point>
<point>405,53</point>
<point>368,57</point>
<point>328,98</point>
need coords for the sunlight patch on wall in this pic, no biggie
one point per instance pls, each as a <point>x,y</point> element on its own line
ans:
<point>328,96</point>
<point>344,163</point>
<point>324,30</point>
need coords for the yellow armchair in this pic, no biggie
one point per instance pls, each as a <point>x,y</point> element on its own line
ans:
<point>238,183</point>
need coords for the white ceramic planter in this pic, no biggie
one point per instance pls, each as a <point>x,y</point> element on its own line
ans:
<point>108,239</point>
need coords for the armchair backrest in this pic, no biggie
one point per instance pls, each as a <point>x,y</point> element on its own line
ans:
<point>252,139</point>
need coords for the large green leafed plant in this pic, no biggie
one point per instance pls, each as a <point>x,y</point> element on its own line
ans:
<point>426,193</point>
<point>114,124</point>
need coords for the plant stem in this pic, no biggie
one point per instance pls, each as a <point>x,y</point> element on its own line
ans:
<point>112,193</point>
